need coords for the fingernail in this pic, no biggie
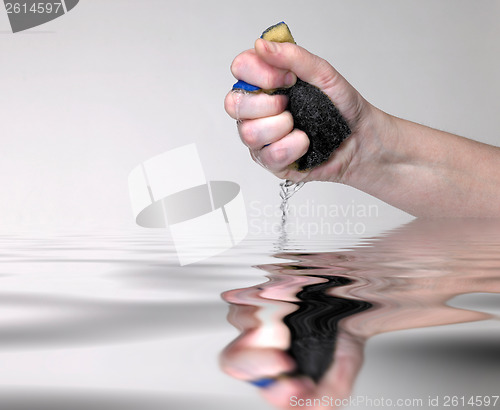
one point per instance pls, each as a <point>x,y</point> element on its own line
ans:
<point>290,79</point>
<point>263,383</point>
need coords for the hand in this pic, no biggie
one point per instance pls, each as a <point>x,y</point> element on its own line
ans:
<point>268,130</point>
<point>423,171</point>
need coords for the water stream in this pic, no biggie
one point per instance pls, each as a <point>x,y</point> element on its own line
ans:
<point>288,189</point>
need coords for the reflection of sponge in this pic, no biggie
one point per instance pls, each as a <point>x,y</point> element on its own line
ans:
<point>312,110</point>
<point>314,326</point>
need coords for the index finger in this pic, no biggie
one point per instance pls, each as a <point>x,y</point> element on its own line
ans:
<point>249,67</point>
<point>250,106</point>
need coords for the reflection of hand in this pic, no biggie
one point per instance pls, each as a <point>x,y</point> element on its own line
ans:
<point>259,355</point>
<point>408,275</point>
<point>411,274</point>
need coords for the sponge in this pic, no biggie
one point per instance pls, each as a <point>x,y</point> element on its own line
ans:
<point>312,110</point>
<point>279,33</point>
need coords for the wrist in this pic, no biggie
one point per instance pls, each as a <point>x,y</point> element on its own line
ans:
<point>375,143</point>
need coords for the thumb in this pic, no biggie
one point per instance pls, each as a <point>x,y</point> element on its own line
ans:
<point>316,71</point>
<point>307,66</point>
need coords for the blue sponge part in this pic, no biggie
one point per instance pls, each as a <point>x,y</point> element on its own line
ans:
<point>263,383</point>
<point>242,85</point>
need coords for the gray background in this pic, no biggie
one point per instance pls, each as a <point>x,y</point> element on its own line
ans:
<point>88,96</point>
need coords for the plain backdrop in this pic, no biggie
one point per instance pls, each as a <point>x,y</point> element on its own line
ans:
<point>88,96</point>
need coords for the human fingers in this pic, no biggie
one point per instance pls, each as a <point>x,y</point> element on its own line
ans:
<point>278,156</point>
<point>316,71</point>
<point>260,132</point>
<point>330,392</point>
<point>254,364</point>
<point>246,106</point>
<point>249,67</point>
<point>288,57</point>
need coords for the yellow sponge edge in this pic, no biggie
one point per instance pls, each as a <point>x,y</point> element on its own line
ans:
<point>279,33</point>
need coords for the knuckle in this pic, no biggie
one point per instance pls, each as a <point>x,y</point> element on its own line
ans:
<point>273,79</point>
<point>270,79</point>
<point>325,74</point>
<point>288,119</point>
<point>293,52</point>
<point>248,134</point>
<point>278,155</point>
<point>237,64</point>
<point>241,61</point>
<point>278,103</point>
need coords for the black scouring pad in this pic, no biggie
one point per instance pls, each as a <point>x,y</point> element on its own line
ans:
<point>312,110</point>
<point>314,113</point>
<point>314,325</point>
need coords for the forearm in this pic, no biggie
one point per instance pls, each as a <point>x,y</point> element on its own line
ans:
<point>427,172</point>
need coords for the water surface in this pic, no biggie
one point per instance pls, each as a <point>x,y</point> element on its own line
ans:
<point>109,320</point>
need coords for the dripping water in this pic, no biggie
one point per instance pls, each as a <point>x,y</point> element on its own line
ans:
<point>288,189</point>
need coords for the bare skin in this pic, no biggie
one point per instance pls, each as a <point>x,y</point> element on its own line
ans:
<point>423,171</point>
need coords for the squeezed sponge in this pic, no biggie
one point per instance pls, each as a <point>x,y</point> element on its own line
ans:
<point>314,113</point>
<point>279,33</point>
<point>312,110</point>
